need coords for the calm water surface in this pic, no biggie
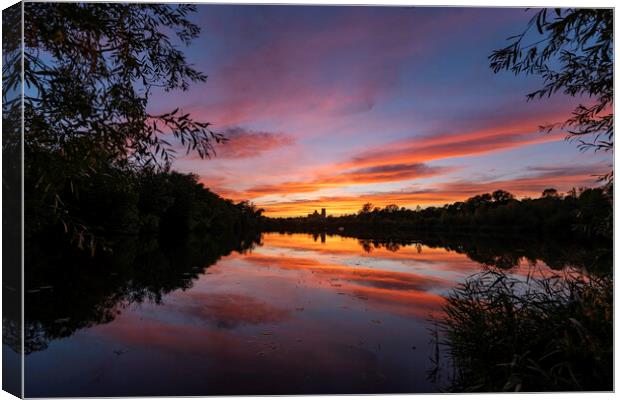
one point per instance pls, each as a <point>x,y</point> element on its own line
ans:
<point>297,314</point>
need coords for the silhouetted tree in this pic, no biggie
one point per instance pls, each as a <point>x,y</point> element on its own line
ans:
<point>501,196</point>
<point>391,208</point>
<point>366,208</point>
<point>89,72</point>
<point>572,50</point>
<point>551,192</point>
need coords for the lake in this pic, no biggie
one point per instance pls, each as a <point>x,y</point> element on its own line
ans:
<point>278,314</point>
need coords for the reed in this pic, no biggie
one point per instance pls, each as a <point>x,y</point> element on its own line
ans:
<point>503,333</point>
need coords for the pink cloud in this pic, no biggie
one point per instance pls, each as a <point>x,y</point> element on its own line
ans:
<point>243,143</point>
<point>343,69</point>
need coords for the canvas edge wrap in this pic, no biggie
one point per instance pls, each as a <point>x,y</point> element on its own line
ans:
<point>12,196</point>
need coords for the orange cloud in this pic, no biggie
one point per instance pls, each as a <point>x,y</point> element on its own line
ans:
<point>500,137</point>
<point>560,177</point>
<point>406,159</point>
<point>361,176</point>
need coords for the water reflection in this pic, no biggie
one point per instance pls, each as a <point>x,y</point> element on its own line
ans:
<point>67,290</point>
<point>281,314</point>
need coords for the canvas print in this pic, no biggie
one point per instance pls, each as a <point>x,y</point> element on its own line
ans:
<point>208,199</point>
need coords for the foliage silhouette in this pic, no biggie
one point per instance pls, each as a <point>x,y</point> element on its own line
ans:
<point>503,333</point>
<point>583,214</point>
<point>170,205</point>
<point>89,72</point>
<point>572,50</point>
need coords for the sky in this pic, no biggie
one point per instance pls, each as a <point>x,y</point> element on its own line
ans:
<point>334,107</point>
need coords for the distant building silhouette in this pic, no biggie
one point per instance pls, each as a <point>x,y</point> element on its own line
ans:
<point>315,216</point>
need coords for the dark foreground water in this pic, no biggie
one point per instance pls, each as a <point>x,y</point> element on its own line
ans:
<point>292,314</point>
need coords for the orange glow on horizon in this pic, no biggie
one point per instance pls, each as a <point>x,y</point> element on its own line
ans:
<point>405,161</point>
<point>445,194</point>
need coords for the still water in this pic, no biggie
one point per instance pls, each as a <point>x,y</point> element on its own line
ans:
<point>292,314</point>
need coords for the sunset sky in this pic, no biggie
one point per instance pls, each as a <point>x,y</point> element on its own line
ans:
<point>337,106</point>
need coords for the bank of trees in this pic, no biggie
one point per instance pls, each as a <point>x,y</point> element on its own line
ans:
<point>118,202</point>
<point>582,213</point>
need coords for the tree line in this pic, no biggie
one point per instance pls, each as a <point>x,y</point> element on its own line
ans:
<point>580,213</point>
